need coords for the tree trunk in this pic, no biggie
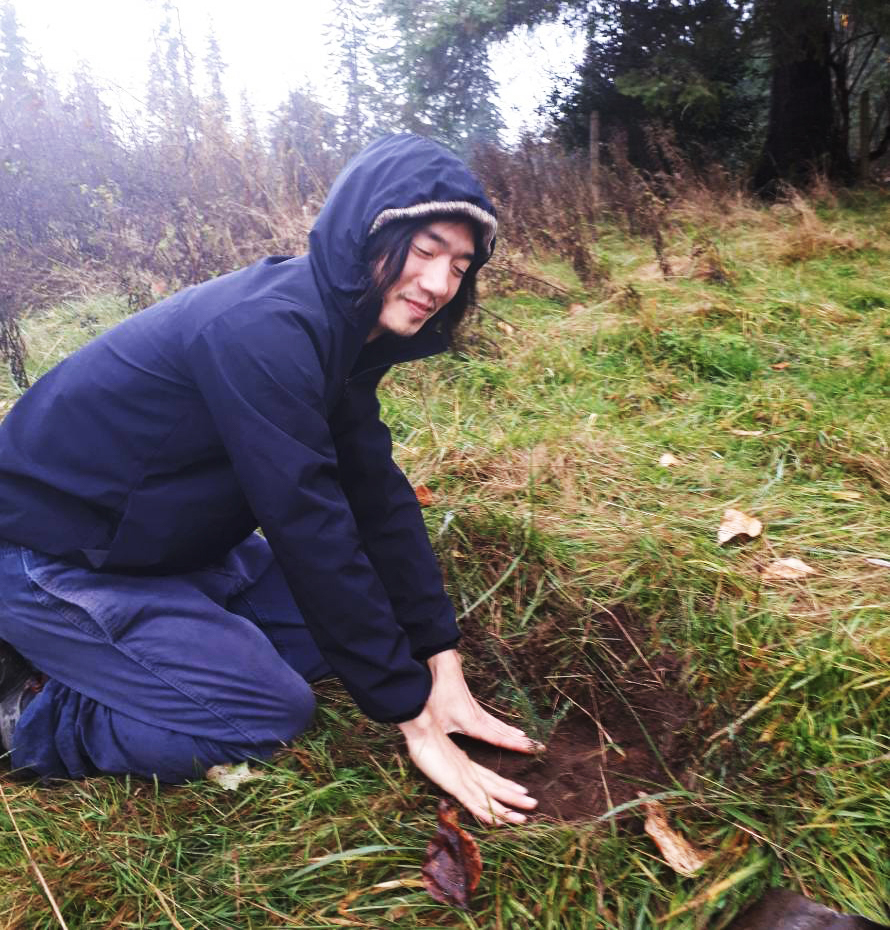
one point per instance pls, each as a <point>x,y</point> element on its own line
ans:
<point>801,137</point>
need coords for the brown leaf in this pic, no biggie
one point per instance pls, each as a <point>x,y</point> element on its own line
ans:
<point>780,366</point>
<point>576,308</point>
<point>425,496</point>
<point>505,327</point>
<point>678,852</point>
<point>735,523</point>
<point>453,865</point>
<point>787,570</point>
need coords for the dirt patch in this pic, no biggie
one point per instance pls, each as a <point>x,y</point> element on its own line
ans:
<point>627,723</point>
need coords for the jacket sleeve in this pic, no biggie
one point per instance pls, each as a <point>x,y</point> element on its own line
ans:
<point>389,520</point>
<point>262,381</point>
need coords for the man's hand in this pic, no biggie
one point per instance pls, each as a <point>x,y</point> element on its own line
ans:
<point>458,711</point>
<point>452,709</point>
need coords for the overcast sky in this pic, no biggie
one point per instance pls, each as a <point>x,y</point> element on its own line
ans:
<point>270,47</point>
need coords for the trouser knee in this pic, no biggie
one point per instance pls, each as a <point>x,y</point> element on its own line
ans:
<point>295,712</point>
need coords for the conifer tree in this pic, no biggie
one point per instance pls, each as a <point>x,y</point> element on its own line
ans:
<point>348,38</point>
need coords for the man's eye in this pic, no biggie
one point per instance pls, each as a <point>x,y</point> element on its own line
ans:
<point>421,251</point>
<point>460,272</point>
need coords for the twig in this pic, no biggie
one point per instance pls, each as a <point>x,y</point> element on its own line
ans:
<point>524,274</point>
<point>32,863</point>
<point>755,708</point>
<point>497,316</point>
<point>484,597</point>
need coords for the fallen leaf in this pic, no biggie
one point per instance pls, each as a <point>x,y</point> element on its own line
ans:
<point>666,460</point>
<point>453,865</point>
<point>425,496</point>
<point>846,495</point>
<point>576,308</point>
<point>881,563</point>
<point>678,852</point>
<point>232,775</point>
<point>747,432</point>
<point>780,366</point>
<point>505,327</point>
<point>735,523</point>
<point>787,570</point>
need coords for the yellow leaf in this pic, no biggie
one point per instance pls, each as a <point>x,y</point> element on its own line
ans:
<point>746,432</point>
<point>735,523</point>
<point>667,460</point>
<point>846,495</point>
<point>678,852</point>
<point>787,570</point>
<point>505,327</point>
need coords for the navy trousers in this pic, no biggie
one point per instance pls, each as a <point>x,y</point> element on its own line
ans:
<point>157,676</point>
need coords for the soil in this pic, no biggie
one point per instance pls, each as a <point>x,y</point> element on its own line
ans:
<point>598,755</point>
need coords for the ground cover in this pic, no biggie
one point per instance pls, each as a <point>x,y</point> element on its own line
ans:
<point>599,611</point>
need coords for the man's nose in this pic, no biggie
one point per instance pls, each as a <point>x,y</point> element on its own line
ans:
<point>435,278</point>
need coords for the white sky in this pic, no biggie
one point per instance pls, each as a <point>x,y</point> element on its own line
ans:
<point>270,47</point>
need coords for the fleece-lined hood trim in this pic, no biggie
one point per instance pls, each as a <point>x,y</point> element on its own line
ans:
<point>454,207</point>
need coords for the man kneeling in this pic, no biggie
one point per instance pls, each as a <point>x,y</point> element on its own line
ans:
<point>168,636</point>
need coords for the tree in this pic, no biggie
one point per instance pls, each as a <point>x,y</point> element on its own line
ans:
<point>821,53</point>
<point>436,69</point>
<point>685,66</point>
<point>215,68</point>
<point>801,136</point>
<point>304,141</point>
<point>348,36</point>
<point>679,63</point>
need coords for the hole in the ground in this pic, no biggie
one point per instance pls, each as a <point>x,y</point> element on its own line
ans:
<point>624,721</point>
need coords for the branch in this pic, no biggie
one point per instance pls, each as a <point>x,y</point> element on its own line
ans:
<point>868,54</point>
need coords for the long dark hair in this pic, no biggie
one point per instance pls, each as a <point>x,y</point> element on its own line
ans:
<point>387,250</point>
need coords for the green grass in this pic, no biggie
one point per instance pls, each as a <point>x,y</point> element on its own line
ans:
<point>542,443</point>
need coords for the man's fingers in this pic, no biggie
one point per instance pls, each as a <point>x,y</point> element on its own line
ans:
<point>492,811</point>
<point>491,730</point>
<point>502,789</point>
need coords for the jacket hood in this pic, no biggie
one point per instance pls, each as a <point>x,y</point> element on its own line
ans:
<point>397,177</point>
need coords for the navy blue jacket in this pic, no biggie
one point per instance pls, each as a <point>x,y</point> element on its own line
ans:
<point>250,400</point>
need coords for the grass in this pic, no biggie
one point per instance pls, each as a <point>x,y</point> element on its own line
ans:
<point>761,364</point>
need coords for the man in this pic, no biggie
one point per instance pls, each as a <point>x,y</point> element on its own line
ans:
<point>132,477</point>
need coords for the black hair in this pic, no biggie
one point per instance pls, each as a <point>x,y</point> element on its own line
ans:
<point>386,252</point>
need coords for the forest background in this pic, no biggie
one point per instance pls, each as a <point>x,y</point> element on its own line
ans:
<point>768,92</point>
<point>700,325</point>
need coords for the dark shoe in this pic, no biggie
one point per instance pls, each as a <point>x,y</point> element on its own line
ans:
<point>18,685</point>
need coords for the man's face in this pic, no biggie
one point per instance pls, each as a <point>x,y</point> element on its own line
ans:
<point>438,258</point>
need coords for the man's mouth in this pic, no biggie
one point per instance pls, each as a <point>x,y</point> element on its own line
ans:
<point>418,309</point>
